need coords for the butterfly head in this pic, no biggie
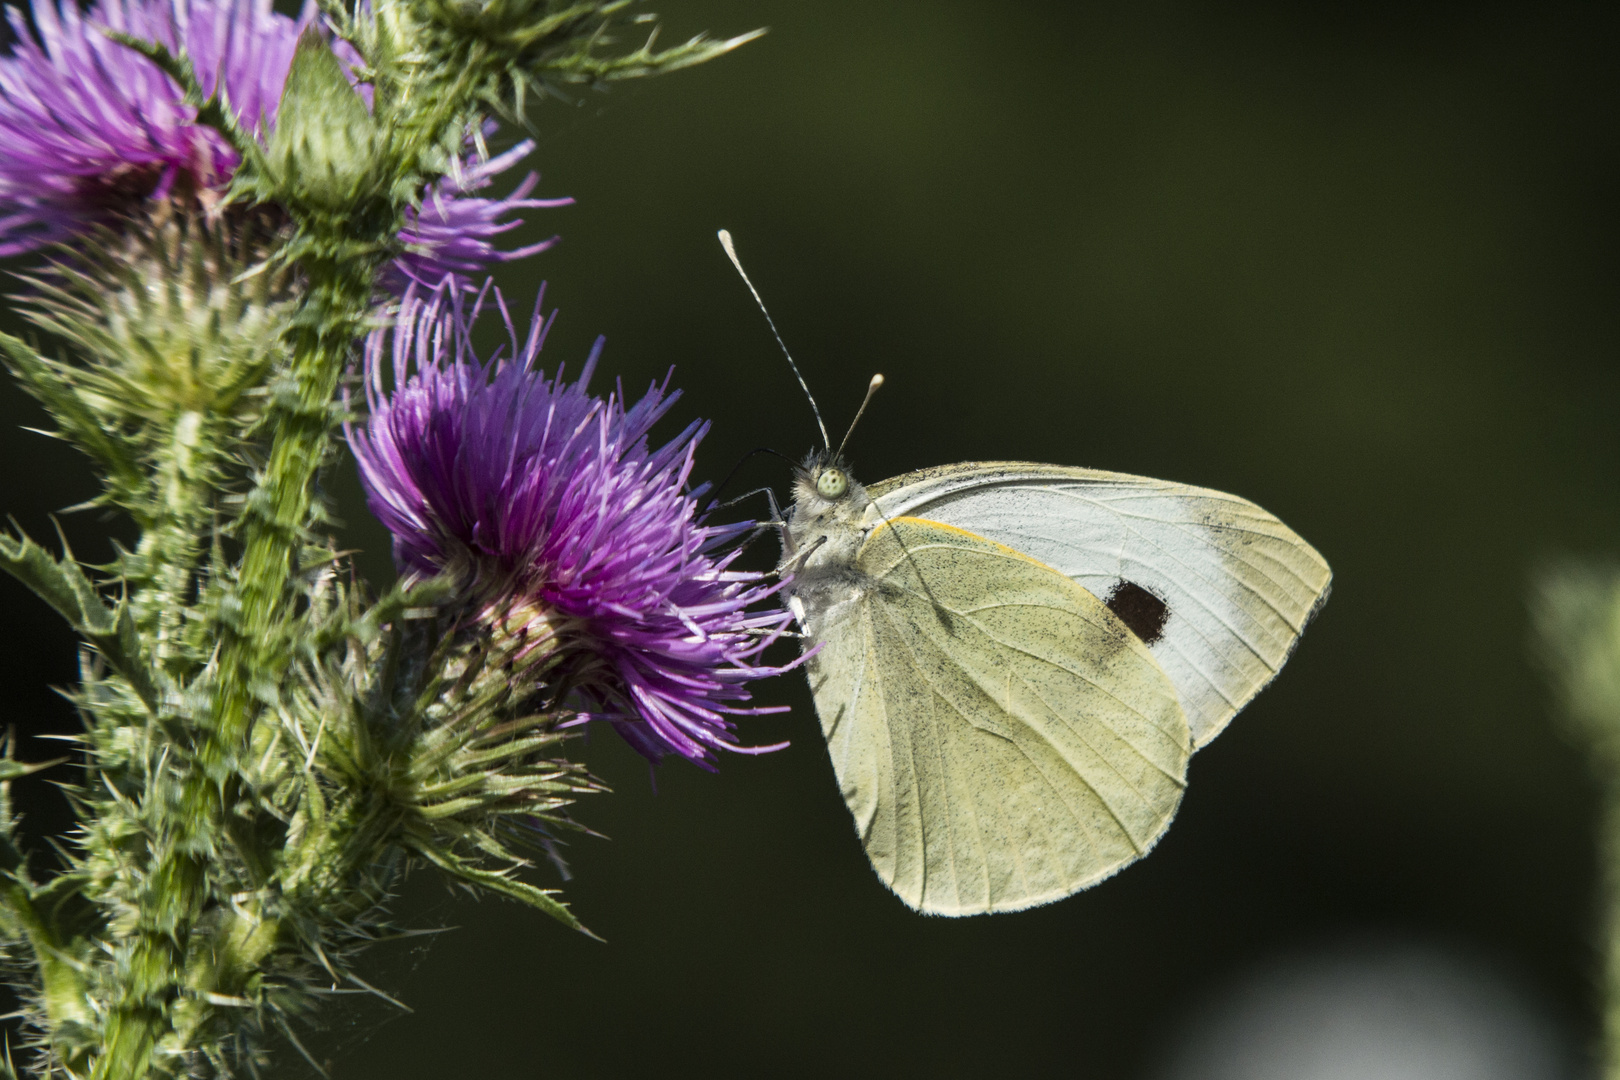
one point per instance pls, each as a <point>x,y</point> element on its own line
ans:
<point>823,482</point>
<point>823,530</point>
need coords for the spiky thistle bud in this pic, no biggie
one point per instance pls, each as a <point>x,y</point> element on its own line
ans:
<point>325,151</point>
<point>173,327</point>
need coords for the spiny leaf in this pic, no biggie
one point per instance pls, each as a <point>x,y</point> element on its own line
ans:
<point>61,584</point>
<point>79,424</point>
<point>407,599</point>
<point>11,770</point>
<point>497,882</point>
<point>645,61</point>
<point>212,109</point>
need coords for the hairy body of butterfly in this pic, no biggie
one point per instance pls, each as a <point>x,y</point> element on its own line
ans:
<point>1015,661</point>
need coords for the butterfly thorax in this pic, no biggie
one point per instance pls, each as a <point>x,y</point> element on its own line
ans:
<point>821,536</point>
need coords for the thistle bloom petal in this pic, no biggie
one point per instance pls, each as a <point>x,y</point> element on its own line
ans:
<point>91,128</point>
<point>556,502</point>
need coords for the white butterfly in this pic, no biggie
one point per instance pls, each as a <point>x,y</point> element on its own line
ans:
<point>1015,661</point>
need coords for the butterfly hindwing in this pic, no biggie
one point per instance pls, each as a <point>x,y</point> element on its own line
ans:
<point>1218,588</point>
<point>999,735</point>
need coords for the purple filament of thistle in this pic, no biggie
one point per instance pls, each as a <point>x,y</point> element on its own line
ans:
<point>454,232</point>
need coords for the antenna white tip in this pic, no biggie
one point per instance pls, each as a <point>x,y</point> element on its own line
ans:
<point>871,388</point>
<point>731,252</point>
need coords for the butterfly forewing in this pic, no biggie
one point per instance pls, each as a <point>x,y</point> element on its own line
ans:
<point>1231,586</point>
<point>1001,738</point>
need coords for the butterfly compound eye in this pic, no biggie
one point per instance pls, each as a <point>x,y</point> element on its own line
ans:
<point>832,483</point>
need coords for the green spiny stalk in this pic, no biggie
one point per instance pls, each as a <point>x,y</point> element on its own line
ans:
<point>264,750</point>
<point>173,378</point>
<point>171,358</point>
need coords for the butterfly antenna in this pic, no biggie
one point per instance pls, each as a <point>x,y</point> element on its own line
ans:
<point>872,388</point>
<point>731,251</point>
<point>732,475</point>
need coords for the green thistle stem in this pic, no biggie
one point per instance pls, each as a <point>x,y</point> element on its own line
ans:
<point>254,653</point>
<point>139,1017</point>
<point>278,514</point>
<point>171,544</point>
<point>175,892</point>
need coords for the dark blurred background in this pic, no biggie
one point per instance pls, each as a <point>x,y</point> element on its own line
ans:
<point>1356,263</point>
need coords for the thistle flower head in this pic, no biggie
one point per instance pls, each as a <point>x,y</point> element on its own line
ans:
<point>559,510</point>
<point>90,126</point>
<point>93,130</point>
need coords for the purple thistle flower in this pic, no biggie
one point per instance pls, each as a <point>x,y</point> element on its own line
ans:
<point>553,502</point>
<point>91,126</point>
<point>92,129</point>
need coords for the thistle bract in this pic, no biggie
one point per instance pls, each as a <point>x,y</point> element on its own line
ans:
<point>556,510</point>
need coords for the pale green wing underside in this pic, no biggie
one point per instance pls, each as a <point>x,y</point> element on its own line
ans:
<point>1239,584</point>
<point>1004,749</point>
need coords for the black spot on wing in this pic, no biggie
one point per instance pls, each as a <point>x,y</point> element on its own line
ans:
<point>1140,610</point>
